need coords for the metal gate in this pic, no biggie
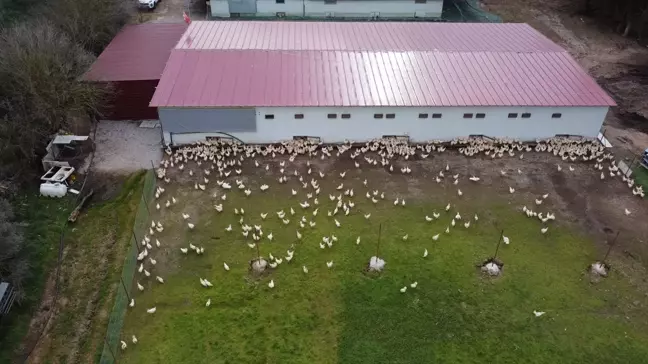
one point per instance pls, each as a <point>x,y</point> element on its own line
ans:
<point>242,6</point>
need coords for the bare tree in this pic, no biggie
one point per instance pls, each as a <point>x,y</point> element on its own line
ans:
<point>629,16</point>
<point>39,90</point>
<point>91,23</point>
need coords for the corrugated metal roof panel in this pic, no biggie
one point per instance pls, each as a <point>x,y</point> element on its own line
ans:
<point>235,78</point>
<point>138,52</point>
<point>365,36</point>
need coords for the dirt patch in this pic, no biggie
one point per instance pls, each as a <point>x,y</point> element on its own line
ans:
<point>40,321</point>
<point>614,61</point>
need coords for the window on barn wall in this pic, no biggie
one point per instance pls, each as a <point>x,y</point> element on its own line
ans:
<point>378,116</point>
<point>280,1</point>
<point>330,1</point>
<point>480,115</point>
<point>269,116</point>
<point>526,115</point>
<point>423,116</point>
<point>468,116</point>
<point>436,116</point>
<point>420,1</point>
<point>299,116</point>
<point>390,116</point>
<point>346,116</point>
<point>556,115</point>
<point>332,116</point>
<point>512,115</point>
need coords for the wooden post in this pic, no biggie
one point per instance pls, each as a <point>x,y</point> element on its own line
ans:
<point>611,246</point>
<point>499,242</point>
<point>258,253</point>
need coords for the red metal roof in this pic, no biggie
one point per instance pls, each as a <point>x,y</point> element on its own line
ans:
<point>364,36</point>
<point>251,63</point>
<point>138,52</point>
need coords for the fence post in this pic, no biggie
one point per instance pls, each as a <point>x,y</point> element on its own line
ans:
<point>146,205</point>
<point>125,290</point>
<point>110,349</point>
<point>136,241</point>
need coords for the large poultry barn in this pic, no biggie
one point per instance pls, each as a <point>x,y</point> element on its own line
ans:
<point>267,81</point>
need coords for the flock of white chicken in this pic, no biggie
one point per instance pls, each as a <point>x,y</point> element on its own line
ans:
<point>222,163</point>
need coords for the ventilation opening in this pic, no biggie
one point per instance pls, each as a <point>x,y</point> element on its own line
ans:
<point>311,139</point>
<point>398,138</point>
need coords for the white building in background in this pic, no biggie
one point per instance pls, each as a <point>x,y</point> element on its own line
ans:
<point>350,9</point>
<point>264,82</point>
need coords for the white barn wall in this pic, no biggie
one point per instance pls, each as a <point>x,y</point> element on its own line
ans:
<point>384,9</point>
<point>362,126</point>
<point>219,8</point>
<point>344,8</point>
<point>271,8</point>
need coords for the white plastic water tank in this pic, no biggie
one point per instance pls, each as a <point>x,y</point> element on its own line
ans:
<point>53,189</point>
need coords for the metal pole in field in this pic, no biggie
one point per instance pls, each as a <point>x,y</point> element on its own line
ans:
<point>499,242</point>
<point>378,245</point>
<point>611,246</point>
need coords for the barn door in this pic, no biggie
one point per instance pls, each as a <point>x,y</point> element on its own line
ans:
<point>242,6</point>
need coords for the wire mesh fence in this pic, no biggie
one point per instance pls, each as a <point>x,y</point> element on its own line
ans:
<point>110,352</point>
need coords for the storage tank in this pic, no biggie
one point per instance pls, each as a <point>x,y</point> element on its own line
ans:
<point>53,189</point>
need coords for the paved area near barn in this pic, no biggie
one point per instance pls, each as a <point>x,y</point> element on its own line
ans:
<point>125,147</point>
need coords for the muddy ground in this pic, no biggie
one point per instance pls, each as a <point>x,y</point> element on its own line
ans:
<point>619,64</point>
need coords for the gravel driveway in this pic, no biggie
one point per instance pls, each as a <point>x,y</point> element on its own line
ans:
<point>124,146</point>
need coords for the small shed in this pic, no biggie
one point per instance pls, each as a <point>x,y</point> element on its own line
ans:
<point>133,63</point>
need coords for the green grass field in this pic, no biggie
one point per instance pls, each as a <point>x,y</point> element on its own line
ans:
<point>640,175</point>
<point>345,315</point>
<point>43,220</point>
